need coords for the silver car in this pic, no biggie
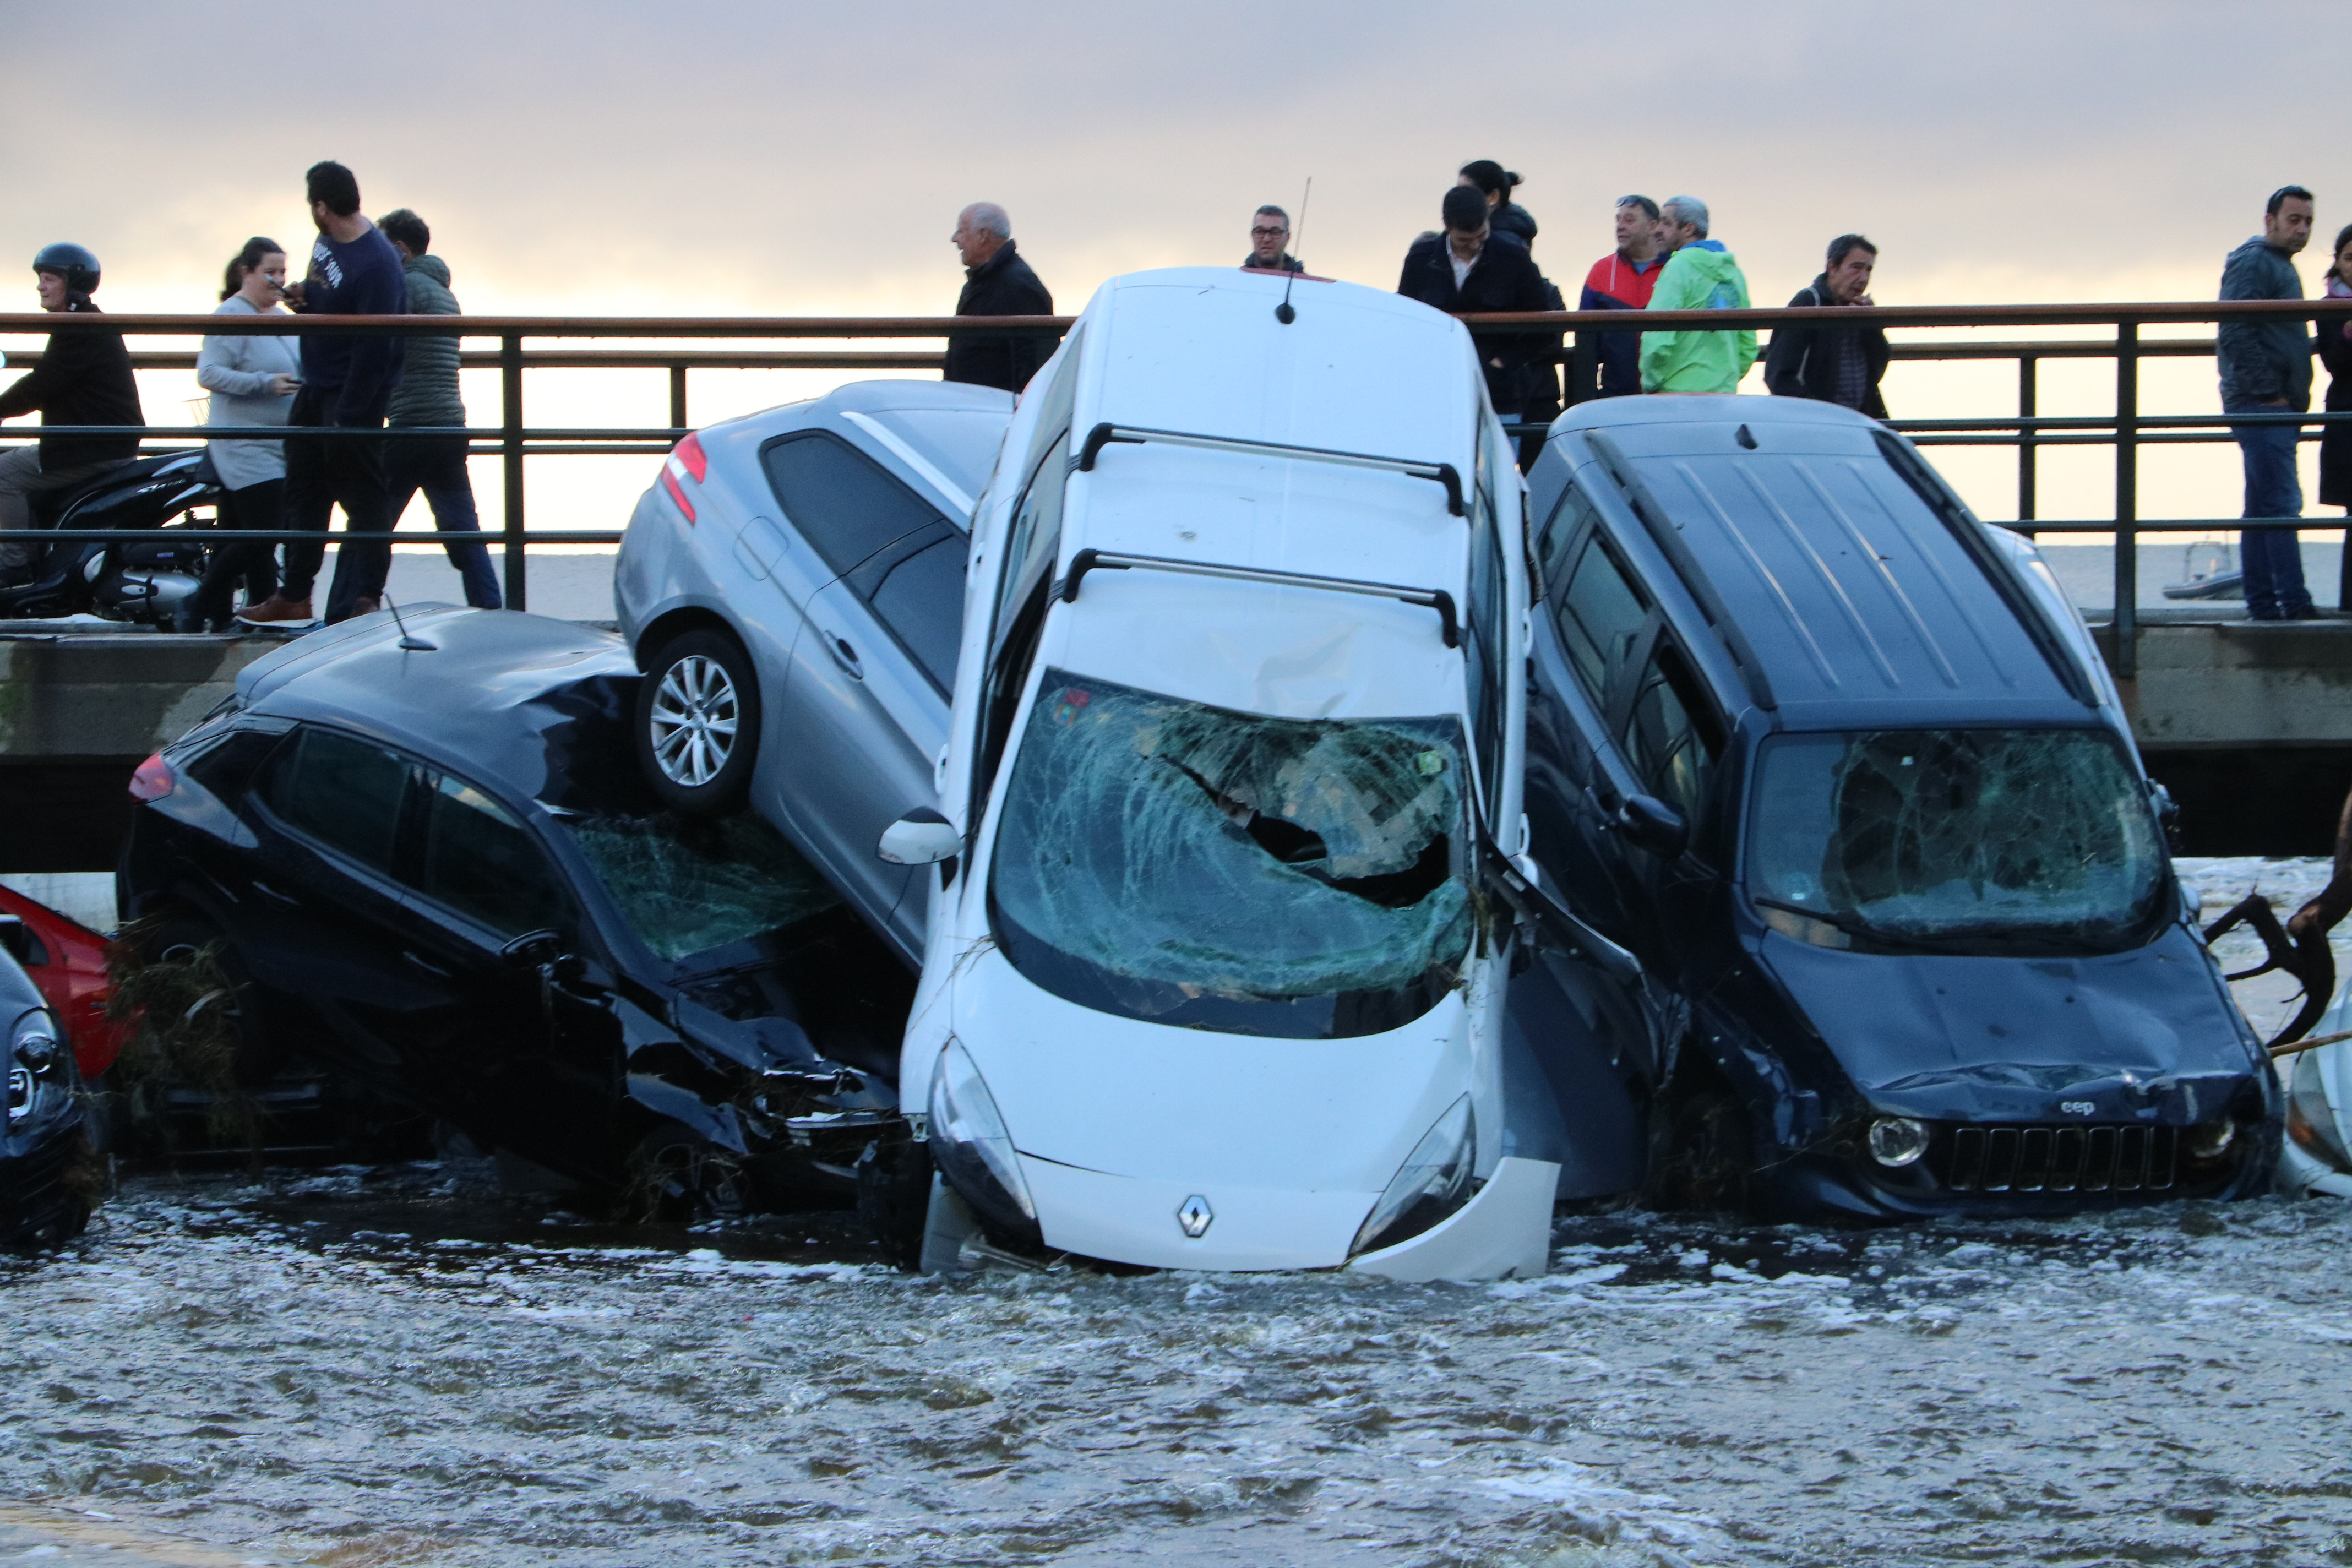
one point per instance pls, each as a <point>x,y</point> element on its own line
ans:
<point>792,584</point>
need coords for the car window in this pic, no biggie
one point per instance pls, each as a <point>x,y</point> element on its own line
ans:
<point>1672,737</point>
<point>1600,614</point>
<point>1035,539</point>
<point>1490,613</point>
<point>481,861</point>
<point>1571,522</point>
<point>343,792</point>
<point>915,588</point>
<point>842,501</point>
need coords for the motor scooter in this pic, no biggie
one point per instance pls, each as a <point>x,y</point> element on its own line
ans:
<point>139,581</point>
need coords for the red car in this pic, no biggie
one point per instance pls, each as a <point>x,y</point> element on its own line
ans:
<point>67,962</point>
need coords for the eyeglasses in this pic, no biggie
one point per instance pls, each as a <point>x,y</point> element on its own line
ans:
<point>1267,233</point>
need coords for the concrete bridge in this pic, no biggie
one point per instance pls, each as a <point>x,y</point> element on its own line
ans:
<point>2250,725</point>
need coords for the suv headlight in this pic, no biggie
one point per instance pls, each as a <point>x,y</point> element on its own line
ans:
<point>33,1054</point>
<point>973,1148</point>
<point>1433,1182</point>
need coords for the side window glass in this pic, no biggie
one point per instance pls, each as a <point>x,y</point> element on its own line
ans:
<point>843,503</point>
<point>1571,522</point>
<point>343,792</point>
<point>1036,538</point>
<point>481,861</point>
<point>1673,737</point>
<point>1599,617</point>
<point>916,589</point>
<point>1489,636</point>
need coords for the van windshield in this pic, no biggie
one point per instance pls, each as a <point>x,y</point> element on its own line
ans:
<point>2007,841</point>
<point>1205,868</point>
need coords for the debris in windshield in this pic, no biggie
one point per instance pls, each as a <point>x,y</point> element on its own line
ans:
<point>1926,833</point>
<point>1233,855</point>
<point>690,885</point>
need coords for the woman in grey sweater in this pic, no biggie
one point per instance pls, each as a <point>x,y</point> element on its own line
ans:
<point>252,379</point>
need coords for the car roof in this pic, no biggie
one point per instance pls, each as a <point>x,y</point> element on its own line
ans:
<point>490,700</point>
<point>1848,572</point>
<point>950,428</point>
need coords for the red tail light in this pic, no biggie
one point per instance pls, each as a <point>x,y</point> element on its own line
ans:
<point>685,461</point>
<point>153,779</point>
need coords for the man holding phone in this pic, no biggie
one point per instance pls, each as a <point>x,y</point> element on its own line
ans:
<point>347,383</point>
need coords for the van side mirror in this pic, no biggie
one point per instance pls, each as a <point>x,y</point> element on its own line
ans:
<point>1649,822</point>
<point>921,837</point>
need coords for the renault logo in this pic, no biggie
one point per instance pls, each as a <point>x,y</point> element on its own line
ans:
<point>1195,1216</point>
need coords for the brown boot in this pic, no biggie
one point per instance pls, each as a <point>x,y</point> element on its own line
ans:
<point>277,611</point>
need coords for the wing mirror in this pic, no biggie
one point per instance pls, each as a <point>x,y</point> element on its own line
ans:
<point>1649,822</point>
<point>543,950</point>
<point>921,837</point>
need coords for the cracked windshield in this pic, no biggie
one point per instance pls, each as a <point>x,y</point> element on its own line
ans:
<point>691,885</point>
<point>2039,838</point>
<point>1169,861</point>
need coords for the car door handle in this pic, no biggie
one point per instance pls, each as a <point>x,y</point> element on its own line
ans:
<point>274,896</point>
<point>424,963</point>
<point>845,656</point>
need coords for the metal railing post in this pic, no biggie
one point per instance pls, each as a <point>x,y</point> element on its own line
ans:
<point>2027,366</point>
<point>511,419</point>
<point>2126,501</point>
<point>678,397</point>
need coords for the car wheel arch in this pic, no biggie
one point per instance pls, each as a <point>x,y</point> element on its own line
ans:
<point>673,623</point>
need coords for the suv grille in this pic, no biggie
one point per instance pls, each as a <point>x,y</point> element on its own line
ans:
<point>2072,1158</point>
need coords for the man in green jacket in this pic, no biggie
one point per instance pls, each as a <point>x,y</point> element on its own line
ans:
<point>1700,275</point>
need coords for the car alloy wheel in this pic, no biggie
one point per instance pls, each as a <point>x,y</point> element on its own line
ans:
<point>693,721</point>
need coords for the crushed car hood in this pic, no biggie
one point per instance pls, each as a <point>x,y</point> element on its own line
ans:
<point>2143,1035</point>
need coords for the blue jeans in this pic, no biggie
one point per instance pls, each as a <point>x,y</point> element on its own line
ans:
<point>2272,558</point>
<point>435,465</point>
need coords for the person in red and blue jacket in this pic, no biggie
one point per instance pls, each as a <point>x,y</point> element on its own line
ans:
<point>1621,280</point>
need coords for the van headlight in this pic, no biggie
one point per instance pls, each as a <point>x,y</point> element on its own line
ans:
<point>2310,1119</point>
<point>1433,1180</point>
<point>973,1148</point>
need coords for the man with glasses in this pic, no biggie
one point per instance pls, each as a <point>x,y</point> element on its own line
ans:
<point>1269,232</point>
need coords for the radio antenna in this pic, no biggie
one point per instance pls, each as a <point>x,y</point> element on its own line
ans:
<point>409,641</point>
<point>1282,312</point>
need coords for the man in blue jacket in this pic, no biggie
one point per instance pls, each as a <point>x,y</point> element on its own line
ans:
<point>2266,369</point>
<point>347,381</point>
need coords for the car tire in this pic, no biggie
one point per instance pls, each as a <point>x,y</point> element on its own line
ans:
<point>1701,1155</point>
<point>260,1054</point>
<point>698,724</point>
<point>677,1176</point>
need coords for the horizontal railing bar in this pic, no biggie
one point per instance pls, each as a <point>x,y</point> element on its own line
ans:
<point>926,358</point>
<point>849,327</point>
<point>297,535</point>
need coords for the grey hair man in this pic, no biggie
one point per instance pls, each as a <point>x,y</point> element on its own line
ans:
<point>1700,275</point>
<point>1269,232</point>
<point>997,282</point>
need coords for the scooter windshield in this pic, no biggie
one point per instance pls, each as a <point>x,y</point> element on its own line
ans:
<point>1206,869</point>
<point>1991,841</point>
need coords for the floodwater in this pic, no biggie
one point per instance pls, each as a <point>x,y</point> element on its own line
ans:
<point>411,1365</point>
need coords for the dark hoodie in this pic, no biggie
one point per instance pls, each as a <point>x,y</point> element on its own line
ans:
<point>362,279</point>
<point>84,378</point>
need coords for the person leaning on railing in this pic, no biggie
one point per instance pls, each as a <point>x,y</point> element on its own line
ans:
<point>2336,441</point>
<point>252,380</point>
<point>1836,364</point>
<point>2266,369</point>
<point>84,378</point>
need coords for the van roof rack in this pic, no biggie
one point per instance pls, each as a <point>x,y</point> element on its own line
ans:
<point>1105,434</point>
<point>1092,560</point>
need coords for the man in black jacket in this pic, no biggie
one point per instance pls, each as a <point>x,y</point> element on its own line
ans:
<point>347,383</point>
<point>997,282</point>
<point>1460,270</point>
<point>84,378</point>
<point>1833,364</point>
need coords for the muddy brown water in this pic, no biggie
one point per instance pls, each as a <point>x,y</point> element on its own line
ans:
<point>405,1365</point>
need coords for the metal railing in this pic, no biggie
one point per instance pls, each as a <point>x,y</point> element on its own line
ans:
<point>2127,430</point>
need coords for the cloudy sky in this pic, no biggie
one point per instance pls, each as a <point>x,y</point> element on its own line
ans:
<point>780,157</point>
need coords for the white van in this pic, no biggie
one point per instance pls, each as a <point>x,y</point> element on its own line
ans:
<point>1212,978</point>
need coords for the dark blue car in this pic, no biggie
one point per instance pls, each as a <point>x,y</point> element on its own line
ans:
<point>1873,908</point>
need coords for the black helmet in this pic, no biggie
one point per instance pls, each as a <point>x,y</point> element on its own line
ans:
<point>74,263</point>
